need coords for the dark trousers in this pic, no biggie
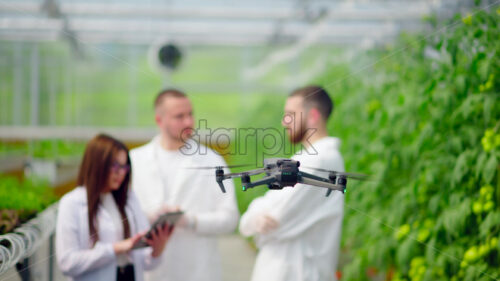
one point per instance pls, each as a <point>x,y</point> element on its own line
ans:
<point>125,273</point>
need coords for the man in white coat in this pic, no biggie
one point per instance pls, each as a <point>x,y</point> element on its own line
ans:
<point>162,184</point>
<point>298,229</point>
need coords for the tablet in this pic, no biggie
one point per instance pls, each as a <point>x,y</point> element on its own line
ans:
<point>168,218</point>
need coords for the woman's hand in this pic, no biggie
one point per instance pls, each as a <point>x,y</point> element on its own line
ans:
<point>186,221</point>
<point>126,245</point>
<point>163,210</point>
<point>159,239</point>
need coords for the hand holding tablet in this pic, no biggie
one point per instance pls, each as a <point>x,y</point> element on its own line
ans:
<point>169,218</point>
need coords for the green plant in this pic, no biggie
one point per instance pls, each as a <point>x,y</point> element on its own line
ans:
<point>429,131</point>
<point>12,148</point>
<point>52,148</point>
<point>19,201</point>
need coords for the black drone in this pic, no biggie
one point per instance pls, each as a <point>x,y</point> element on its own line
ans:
<point>282,172</point>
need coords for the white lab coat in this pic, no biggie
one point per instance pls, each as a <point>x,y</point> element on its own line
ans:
<point>76,257</point>
<point>305,246</point>
<point>192,254</point>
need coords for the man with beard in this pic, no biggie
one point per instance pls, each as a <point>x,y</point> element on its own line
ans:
<point>162,184</point>
<point>298,229</point>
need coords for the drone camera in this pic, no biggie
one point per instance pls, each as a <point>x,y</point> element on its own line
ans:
<point>274,186</point>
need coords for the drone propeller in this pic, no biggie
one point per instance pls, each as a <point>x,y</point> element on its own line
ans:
<point>217,167</point>
<point>240,174</point>
<point>220,176</point>
<point>246,173</point>
<point>343,174</point>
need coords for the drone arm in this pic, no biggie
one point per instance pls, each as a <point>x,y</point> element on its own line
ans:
<point>320,183</point>
<point>266,180</point>
<point>314,177</point>
<point>221,177</point>
<point>248,173</point>
<point>255,172</point>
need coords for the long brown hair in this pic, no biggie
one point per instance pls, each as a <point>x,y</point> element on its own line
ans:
<point>94,171</point>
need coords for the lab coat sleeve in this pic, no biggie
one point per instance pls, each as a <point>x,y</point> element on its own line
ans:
<point>143,225</point>
<point>224,217</point>
<point>72,259</point>
<point>257,208</point>
<point>302,206</point>
<point>300,213</point>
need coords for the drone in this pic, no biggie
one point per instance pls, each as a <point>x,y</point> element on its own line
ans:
<point>283,172</point>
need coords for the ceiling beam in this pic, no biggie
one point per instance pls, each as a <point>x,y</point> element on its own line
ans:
<point>378,10</point>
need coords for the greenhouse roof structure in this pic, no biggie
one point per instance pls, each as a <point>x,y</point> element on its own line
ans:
<point>234,23</point>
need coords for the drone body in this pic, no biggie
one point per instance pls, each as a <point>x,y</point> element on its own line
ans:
<point>282,172</point>
<point>285,172</point>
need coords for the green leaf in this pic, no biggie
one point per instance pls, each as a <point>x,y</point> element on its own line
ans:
<point>481,161</point>
<point>461,167</point>
<point>473,272</point>
<point>490,169</point>
<point>454,218</point>
<point>490,222</point>
<point>407,250</point>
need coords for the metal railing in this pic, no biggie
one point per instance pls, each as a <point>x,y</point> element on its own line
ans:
<point>20,244</point>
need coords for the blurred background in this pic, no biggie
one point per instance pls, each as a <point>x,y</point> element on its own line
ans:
<point>416,92</point>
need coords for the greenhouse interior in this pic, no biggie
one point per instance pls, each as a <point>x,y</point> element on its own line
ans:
<point>399,105</point>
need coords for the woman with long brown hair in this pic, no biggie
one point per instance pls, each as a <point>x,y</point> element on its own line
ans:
<point>100,221</point>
